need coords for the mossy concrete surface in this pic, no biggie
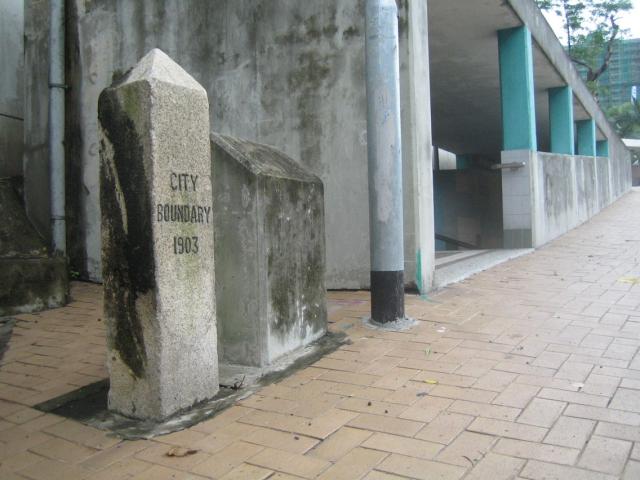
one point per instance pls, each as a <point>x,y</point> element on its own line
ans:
<point>269,252</point>
<point>30,280</point>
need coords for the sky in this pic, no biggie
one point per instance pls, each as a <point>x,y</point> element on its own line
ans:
<point>630,20</point>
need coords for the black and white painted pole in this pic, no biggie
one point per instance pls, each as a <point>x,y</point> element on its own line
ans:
<point>385,161</point>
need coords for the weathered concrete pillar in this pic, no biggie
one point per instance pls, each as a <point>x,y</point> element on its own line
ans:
<point>561,120</point>
<point>386,228</point>
<point>586,130</point>
<point>516,89</point>
<point>157,240</point>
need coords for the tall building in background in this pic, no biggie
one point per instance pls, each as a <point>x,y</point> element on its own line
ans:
<point>623,73</point>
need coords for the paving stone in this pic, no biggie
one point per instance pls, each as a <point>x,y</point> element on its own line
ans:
<point>550,359</point>
<point>54,470</point>
<point>604,414</point>
<point>63,450</point>
<point>508,429</point>
<point>374,407</point>
<point>353,465</point>
<point>341,442</point>
<point>616,430</point>
<point>467,449</point>
<point>496,467</point>
<point>632,471</point>
<point>281,440</point>
<point>537,451</point>
<point>516,395</point>
<point>286,462</point>
<point>18,461</point>
<point>484,410</point>
<point>248,472</point>
<point>575,371</point>
<point>445,379</point>
<point>122,470</point>
<point>444,428</point>
<point>426,409</point>
<point>224,437</point>
<point>410,447</point>
<point>570,432</point>
<point>620,351</point>
<point>158,453</point>
<point>159,472</point>
<point>222,462</point>
<point>628,400</point>
<point>574,397</point>
<point>495,381</point>
<point>601,385</point>
<point>376,475</point>
<point>378,423</point>
<point>635,453</point>
<point>114,454</point>
<point>536,470</point>
<point>223,418</point>
<point>420,469</point>
<point>320,427</point>
<point>542,413</point>
<point>548,382</point>
<point>605,455</point>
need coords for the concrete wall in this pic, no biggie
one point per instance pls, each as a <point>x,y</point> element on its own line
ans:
<point>554,193</point>
<point>283,72</point>
<point>11,83</point>
<point>36,94</point>
<point>468,207</point>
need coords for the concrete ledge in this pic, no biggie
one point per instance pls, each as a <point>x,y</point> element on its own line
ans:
<point>32,284</point>
<point>465,264</point>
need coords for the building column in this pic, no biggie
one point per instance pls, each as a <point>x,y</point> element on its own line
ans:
<point>602,148</point>
<point>417,152</point>
<point>516,89</point>
<point>586,130</point>
<point>463,162</point>
<point>561,120</point>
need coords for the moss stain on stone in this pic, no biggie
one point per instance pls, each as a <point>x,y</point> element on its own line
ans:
<point>128,263</point>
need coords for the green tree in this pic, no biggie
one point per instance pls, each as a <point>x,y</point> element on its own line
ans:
<point>625,119</point>
<point>591,28</point>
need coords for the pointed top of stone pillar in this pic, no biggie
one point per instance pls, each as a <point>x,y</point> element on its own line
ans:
<point>158,66</point>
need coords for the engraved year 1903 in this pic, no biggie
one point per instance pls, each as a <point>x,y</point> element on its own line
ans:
<point>185,245</point>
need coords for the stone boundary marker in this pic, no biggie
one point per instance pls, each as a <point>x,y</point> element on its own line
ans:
<point>157,229</point>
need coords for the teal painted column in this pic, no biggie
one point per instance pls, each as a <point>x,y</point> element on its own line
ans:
<point>602,148</point>
<point>516,89</point>
<point>561,120</point>
<point>463,162</point>
<point>586,130</point>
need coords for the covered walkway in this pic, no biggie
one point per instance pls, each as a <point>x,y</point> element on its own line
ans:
<point>530,370</point>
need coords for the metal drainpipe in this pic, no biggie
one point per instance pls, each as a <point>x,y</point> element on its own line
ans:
<point>56,128</point>
<point>385,161</point>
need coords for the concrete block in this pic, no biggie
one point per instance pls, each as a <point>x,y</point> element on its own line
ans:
<point>11,131</point>
<point>157,228</point>
<point>270,252</point>
<point>29,279</point>
<point>32,284</point>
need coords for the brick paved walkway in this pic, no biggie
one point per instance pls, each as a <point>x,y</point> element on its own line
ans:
<point>529,370</point>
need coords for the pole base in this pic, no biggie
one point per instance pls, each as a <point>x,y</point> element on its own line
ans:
<point>387,296</point>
